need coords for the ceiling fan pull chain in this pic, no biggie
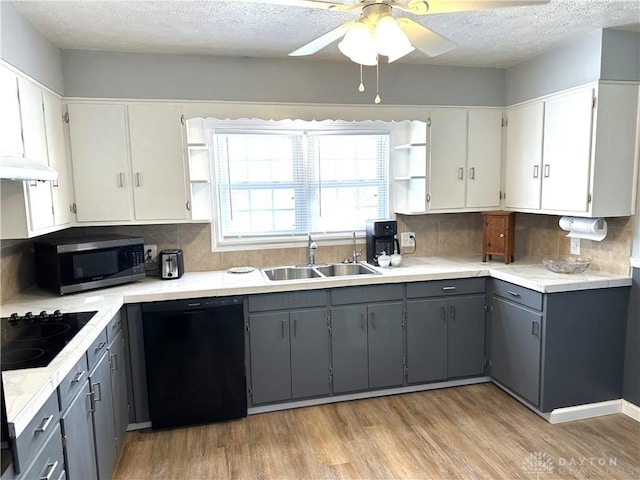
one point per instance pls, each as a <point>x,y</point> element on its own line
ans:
<point>377,99</point>
<point>361,86</point>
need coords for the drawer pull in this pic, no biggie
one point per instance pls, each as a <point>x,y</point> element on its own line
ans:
<point>101,345</point>
<point>51,467</point>
<point>513,294</point>
<point>448,289</point>
<point>45,424</point>
<point>78,377</point>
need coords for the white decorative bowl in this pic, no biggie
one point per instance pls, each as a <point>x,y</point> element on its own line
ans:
<point>567,263</point>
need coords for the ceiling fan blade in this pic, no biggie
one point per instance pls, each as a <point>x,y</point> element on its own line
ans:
<point>425,40</point>
<point>449,6</point>
<point>322,41</point>
<point>305,4</point>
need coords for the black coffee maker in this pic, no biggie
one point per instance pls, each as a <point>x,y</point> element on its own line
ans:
<point>381,237</point>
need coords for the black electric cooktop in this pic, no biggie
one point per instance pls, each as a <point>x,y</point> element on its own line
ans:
<point>31,341</point>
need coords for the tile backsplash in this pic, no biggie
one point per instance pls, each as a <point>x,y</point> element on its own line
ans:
<point>436,235</point>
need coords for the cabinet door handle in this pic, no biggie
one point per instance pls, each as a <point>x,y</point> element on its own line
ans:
<point>536,171</point>
<point>448,289</point>
<point>78,377</point>
<point>472,173</point>
<point>97,384</point>
<point>282,324</point>
<point>452,311</point>
<point>45,424</point>
<point>114,357</point>
<point>55,184</point>
<point>513,294</point>
<point>121,179</point>
<point>138,179</point>
<point>535,328</point>
<point>547,169</point>
<point>443,313</point>
<point>461,173</point>
<point>502,235</point>
<point>92,402</point>
<point>362,321</point>
<point>51,467</point>
<point>373,320</point>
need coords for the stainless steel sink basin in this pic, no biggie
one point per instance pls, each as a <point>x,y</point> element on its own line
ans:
<point>318,271</point>
<point>291,273</point>
<point>344,269</point>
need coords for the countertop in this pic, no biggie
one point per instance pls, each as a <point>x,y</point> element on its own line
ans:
<point>27,390</point>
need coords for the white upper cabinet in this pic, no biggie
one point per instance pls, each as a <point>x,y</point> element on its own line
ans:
<point>62,188</point>
<point>100,159</point>
<point>10,126</point>
<point>575,153</point>
<point>452,164</point>
<point>524,156</point>
<point>157,158</point>
<point>131,155</point>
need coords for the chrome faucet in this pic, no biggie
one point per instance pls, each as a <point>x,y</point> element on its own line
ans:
<point>355,252</point>
<point>312,247</point>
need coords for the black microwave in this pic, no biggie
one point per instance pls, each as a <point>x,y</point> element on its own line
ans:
<point>69,265</point>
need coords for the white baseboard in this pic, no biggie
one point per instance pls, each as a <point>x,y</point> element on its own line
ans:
<point>631,410</point>
<point>588,410</point>
<point>363,395</point>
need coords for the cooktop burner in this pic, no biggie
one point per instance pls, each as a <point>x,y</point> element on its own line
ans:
<point>31,341</point>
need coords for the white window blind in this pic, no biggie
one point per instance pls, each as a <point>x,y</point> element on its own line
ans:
<point>280,182</point>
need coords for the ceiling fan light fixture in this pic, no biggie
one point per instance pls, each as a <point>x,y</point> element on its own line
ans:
<point>390,40</point>
<point>359,45</point>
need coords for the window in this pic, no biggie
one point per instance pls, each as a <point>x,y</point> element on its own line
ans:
<point>276,182</point>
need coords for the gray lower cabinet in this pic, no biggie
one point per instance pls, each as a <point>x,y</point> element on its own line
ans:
<point>367,346</point>
<point>78,441</point>
<point>561,349</point>
<point>49,463</point>
<point>445,333</point>
<point>119,387</point>
<point>103,419</point>
<point>289,355</point>
<point>515,348</point>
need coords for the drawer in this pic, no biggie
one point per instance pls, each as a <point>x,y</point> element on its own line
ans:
<point>518,294</point>
<point>287,300</point>
<point>50,461</point>
<point>114,327</point>
<point>97,349</point>
<point>31,440</point>
<point>71,384</point>
<point>368,294</point>
<point>445,288</point>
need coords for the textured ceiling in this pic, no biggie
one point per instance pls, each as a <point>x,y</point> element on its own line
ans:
<point>259,28</point>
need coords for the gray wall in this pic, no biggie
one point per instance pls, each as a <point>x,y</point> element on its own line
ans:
<point>573,64</point>
<point>193,77</point>
<point>24,47</point>
<point>631,386</point>
<point>620,55</point>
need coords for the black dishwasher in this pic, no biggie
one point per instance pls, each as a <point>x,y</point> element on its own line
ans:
<point>194,351</point>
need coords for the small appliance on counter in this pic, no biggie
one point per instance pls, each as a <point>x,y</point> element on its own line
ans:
<point>381,237</point>
<point>171,263</point>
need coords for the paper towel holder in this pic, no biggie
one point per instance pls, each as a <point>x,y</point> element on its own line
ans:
<point>587,228</point>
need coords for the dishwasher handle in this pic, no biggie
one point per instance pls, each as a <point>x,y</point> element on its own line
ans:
<point>192,304</point>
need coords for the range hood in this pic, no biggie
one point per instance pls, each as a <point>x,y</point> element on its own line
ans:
<point>19,168</point>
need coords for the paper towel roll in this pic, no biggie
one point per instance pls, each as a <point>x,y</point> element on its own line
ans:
<point>587,228</point>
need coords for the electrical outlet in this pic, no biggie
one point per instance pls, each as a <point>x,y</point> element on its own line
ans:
<point>150,253</point>
<point>575,246</point>
<point>408,239</point>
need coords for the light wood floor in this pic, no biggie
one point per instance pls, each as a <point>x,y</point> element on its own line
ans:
<point>476,431</point>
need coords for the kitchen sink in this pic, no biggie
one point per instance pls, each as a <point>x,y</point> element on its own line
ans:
<point>318,271</point>
<point>344,269</point>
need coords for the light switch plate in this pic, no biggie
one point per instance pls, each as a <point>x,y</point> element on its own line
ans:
<point>408,239</point>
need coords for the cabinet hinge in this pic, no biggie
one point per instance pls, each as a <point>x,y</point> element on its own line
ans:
<point>329,324</point>
<point>428,197</point>
<point>405,370</point>
<point>65,117</point>
<point>330,375</point>
<point>250,391</point>
<point>64,441</point>
<point>429,122</point>
<point>486,307</point>
<point>74,208</point>
<point>248,328</point>
<point>588,198</point>
<point>503,123</point>
<point>182,119</point>
<point>484,361</point>
<point>595,102</point>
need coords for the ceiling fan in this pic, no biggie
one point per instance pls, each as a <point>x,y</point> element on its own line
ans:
<point>378,32</point>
